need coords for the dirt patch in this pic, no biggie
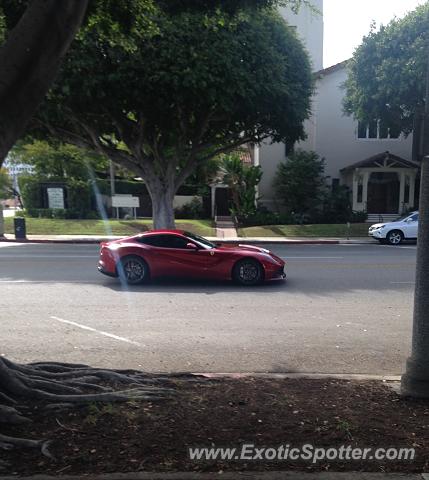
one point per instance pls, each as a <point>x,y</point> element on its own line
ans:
<point>229,413</point>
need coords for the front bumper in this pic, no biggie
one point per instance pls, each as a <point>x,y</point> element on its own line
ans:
<point>377,234</point>
<point>276,274</point>
<point>102,270</point>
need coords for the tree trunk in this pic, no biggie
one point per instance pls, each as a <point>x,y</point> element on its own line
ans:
<point>30,59</point>
<point>162,207</point>
<point>415,382</point>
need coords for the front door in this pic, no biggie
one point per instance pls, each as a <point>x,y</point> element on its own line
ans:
<point>383,192</point>
<point>223,202</point>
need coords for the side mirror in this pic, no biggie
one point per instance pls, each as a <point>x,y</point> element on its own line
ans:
<point>191,246</point>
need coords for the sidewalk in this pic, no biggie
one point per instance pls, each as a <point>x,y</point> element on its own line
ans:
<point>95,239</point>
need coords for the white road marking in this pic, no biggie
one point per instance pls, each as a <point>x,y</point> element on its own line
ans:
<point>403,283</point>
<point>84,327</point>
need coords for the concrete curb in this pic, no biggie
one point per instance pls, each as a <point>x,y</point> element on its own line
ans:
<point>290,475</point>
<point>308,376</point>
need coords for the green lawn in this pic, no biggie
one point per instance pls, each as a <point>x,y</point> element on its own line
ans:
<point>47,226</point>
<point>338,230</point>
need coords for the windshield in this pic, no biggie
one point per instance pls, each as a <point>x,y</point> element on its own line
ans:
<point>403,217</point>
<point>201,240</point>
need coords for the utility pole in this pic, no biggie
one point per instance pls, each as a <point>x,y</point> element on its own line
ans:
<point>415,381</point>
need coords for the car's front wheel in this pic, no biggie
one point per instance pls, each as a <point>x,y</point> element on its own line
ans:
<point>248,272</point>
<point>133,270</point>
<point>394,237</point>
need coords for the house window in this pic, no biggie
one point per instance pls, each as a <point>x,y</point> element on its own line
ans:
<point>289,148</point>
<point>335,184</point>
<point>377,130</point>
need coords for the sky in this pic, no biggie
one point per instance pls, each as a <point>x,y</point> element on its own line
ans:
<point>347,21</point>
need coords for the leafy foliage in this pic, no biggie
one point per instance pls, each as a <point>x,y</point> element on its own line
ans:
<point>58,160</point>
<point>387,72</point>
<point>242,179</point>
<point>200,82</point>
<point>5,184</point>
<point>300,181</point>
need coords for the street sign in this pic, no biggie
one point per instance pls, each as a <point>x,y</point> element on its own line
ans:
<point>55,197</point>
<point>125,201</point>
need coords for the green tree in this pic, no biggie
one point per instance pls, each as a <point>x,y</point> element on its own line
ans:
<point>35,36</point>
<point>59,161</point>
<point>300,181</point>
<point>5,184</point>
<point>242,180</point>
<point>203,82</point>
<point>387,73</point>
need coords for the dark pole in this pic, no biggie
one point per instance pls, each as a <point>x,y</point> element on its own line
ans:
<point>415,381</point>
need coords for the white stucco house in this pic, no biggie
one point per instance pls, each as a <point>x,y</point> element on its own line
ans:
<point>372,160</point>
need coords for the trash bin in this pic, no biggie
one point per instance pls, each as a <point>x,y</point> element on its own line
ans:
<point>19,225</point>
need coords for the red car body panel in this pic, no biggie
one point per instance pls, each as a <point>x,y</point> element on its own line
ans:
<point>211,263</point>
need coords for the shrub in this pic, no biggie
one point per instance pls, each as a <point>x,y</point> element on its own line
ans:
<point>299,183</point>
<point>265,217</point>
<point>192,210</point>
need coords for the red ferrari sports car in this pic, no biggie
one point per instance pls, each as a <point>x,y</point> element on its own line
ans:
<point>175,253</point>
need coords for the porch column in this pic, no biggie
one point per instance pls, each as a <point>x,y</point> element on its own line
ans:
<point>355,190</point>
<point>401,193</point>
<point>365,191</point>
<point>412,189</point>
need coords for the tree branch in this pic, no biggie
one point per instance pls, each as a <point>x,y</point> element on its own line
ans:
<point>30,59</point>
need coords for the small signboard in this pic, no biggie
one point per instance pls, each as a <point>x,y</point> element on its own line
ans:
<point>55,197</point>
<point>125,201</point>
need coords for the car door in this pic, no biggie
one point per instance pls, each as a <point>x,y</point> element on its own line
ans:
<point>412,226</point>
<point>176,259</point>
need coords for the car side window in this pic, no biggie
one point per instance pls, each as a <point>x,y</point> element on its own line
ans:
<point>164,241</point>
<point>154,240</point>
<point>173,241</point>
<point>415,217</point>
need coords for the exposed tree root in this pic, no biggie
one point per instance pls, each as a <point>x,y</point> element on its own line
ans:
<point>58,386</point>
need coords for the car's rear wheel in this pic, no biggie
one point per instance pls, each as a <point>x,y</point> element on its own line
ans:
<point>133,270</point>
<point>394,237</point>
<point>248,272</point>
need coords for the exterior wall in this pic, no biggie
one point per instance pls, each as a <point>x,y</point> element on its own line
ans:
<point>309,25</point>
<point>334,134</point>
<point>270,155</point>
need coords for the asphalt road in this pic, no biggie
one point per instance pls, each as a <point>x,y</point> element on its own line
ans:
<point>343,309</point>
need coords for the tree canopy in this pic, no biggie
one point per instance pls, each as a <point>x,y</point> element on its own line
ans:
<point>387,72</point>
<point>58,161</point>
<point>165,100</point>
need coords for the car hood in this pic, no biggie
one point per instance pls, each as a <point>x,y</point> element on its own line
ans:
<point>242,247</point>
<point>376,225</point>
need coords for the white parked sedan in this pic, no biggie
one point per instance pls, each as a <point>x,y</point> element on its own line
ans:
<point>404,228</point>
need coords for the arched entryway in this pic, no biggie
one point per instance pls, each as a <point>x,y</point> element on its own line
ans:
<point>383,192</point>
